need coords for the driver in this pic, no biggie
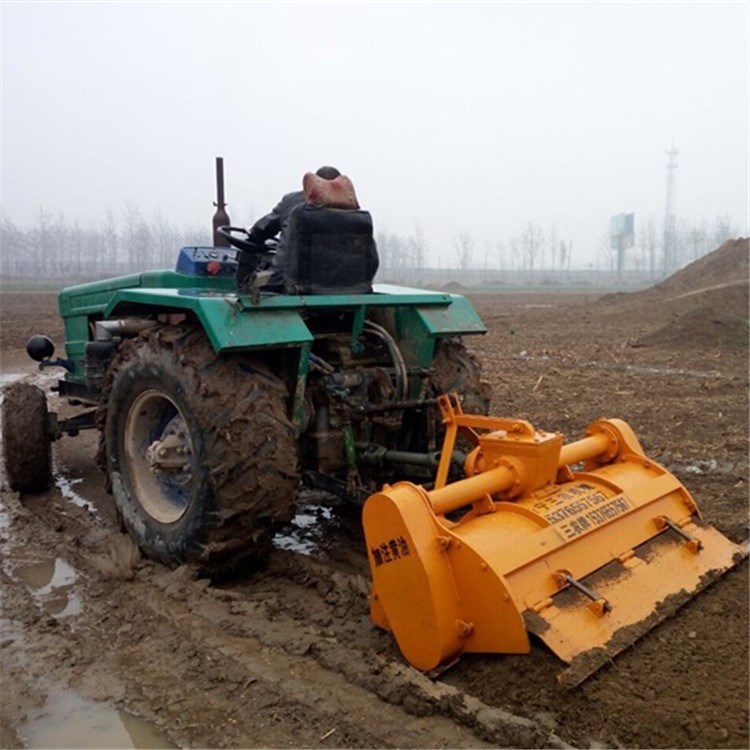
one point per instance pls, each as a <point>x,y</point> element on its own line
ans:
<point>276,222</point>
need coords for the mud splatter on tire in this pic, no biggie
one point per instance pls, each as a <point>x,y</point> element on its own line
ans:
<point>456,368</point>
<point>26,446</point>
<point>243,479</point>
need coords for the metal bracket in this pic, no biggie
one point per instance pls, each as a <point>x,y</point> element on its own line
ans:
<point>695,545</point>
<point>72,425</point>
<point>600,606</point>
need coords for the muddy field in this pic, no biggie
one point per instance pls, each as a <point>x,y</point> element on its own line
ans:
<point>99,648</point>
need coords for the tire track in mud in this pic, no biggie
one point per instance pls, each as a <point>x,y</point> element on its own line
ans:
<point>390,680</point>
<point>324,661</point>
<point>214,666</point>
<point>163,631</point>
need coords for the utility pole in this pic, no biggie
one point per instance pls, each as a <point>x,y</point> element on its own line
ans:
<point>621,237</point>
<point>670,221</point>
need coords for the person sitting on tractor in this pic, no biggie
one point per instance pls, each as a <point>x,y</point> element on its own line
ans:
<point>276,222</point>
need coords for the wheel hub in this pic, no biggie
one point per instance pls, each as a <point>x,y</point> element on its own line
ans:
<point>159,460</point>
<point>172,453</point>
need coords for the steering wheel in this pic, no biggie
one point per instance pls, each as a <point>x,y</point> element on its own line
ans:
<point>238,242</point>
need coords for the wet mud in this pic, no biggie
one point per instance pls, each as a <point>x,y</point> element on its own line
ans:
<point>93,635</point>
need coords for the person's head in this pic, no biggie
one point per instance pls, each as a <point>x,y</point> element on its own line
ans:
<point>328,173</point>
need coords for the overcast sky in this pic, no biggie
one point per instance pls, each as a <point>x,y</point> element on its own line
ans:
<point>462,116</point>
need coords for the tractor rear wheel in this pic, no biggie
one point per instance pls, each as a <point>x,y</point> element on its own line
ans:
<point>27,449</point>
<point>200,453</point>
<point>455,368</point>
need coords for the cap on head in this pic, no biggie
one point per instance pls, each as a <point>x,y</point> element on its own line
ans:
<point>328,173</point>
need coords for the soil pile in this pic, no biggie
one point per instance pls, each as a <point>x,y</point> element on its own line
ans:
<point>454,286</point>
<point>727,264</point>
<point>704,304</point>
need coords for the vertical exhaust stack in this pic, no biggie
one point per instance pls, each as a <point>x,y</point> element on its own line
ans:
<point>221,218</point>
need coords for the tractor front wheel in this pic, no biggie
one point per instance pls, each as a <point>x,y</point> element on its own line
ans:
<point>27,448</point>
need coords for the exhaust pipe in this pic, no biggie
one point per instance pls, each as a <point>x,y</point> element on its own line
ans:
<point>221,218</point>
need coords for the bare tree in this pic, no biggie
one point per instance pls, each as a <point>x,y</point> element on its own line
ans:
<point>464,244</point>
<point>500,250</point>
<point>723,230</point>
<point>487,251</point>
<point>399,251</point>
<point>15,249</point>
<point>111,242</point>
<point>76,237</point>
<point>532,241</point>
<point>95,253</point>
<point>606,251</point>
<point>381,241</point>
<point>647,244</point>
<point>697,241</point>
<point>417,246</point>
<point>164,239</point>
<point>516,252</point>
<point>42,254</point>
<point>552,242</point>
<point>137,239</point>
<point>392,251</point>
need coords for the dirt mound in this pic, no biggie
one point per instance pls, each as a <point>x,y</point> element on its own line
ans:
<point>727,264</point>
<point>716,317</point>
<point>453,286</point>
<point>705,303</point>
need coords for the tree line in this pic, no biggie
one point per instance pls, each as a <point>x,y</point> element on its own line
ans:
<point>130,242</point>
<point>53,247</point>
<point>538,248</point>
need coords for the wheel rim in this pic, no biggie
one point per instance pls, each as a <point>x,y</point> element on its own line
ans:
<point>159,459</point>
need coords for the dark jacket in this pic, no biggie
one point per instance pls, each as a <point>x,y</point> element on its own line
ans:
<point>271,224</point>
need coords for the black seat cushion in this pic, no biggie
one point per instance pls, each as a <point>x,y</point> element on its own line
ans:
<point>329,251</point>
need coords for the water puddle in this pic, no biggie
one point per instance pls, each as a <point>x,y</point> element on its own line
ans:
<point>65,485</point>
<point>51,581</point>
<point>304,534</point>
<point>325,526</point>
<point>68,721</point>
<point>41,378</point>
<point>6,378</point>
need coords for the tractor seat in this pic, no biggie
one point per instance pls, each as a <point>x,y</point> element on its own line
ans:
<point>329,251</point>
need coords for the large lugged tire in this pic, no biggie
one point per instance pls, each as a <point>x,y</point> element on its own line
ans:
<point>27,449</point>
<point>201,456</point>
<point>455,368</point>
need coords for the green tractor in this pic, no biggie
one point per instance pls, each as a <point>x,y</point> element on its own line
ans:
<point>217,401</point>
